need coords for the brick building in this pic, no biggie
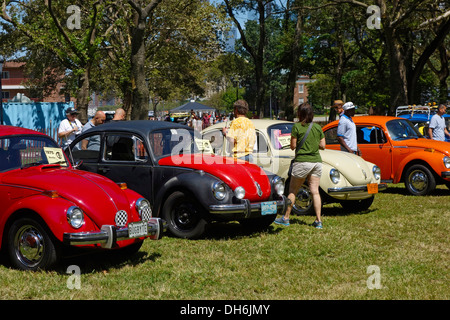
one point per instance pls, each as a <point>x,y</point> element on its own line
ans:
<point>13,79</point>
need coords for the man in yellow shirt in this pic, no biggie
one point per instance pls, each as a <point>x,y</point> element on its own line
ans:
<point>241,134</point>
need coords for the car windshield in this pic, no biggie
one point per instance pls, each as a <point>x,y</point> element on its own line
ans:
<point>175,141</point>
<point>280,135</point>
<point>25,151</point>
<point>401,129</point>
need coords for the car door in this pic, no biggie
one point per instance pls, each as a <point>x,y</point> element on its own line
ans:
<point>125,158</point>
<point>376,148</point>
<point>121,157</point>
<point>372,142</point>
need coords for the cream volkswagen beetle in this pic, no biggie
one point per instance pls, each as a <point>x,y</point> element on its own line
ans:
<point>346,178</point>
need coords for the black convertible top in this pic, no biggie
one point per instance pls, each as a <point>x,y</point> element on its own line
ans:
<point>144,127</point>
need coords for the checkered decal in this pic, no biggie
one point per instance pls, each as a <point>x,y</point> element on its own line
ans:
<point>146,214</point>
<point>121,218</point>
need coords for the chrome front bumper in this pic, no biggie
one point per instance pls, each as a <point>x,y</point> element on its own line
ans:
<point>246,209</point>
<point>355,189</point>
<point>108,236</point>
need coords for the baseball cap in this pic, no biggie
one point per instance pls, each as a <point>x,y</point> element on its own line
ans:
<point>348,106</point>
<point>71,110</point>
<point>338,102</point>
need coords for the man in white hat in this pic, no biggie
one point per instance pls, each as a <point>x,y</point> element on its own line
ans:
<point>70,127</point>
<point>346,132</point>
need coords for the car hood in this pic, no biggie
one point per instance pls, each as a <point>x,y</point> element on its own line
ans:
<point>354,168</point>
<point>422,143</point>
<point>94,194</point>
<point>234,173</point>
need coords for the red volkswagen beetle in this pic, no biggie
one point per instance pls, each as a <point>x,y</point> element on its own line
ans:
<point>47,206</point>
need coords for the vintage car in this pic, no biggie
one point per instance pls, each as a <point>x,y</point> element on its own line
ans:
<point>346,178</point>
<point>162,161</point>
<point>49,208</point>
<point>402,153</point>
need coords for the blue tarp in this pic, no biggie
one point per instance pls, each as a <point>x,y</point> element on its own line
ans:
<point>36,115</point>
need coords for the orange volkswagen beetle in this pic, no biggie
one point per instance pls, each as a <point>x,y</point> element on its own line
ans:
<point>401,152</point>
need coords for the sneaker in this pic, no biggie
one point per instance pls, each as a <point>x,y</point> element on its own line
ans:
<point>317,225</point>
<point>282,221</point>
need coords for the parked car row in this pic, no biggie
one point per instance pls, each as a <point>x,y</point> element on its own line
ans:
<point>137,179</point>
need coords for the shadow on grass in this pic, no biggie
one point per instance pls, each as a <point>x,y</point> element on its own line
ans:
<point>233,230</point>
<point>400,189</point>
<point>107,260</point>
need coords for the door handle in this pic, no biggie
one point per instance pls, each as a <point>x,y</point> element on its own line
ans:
<point>103,169</point>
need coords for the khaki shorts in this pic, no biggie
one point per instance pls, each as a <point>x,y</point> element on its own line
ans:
<point>304,169</point>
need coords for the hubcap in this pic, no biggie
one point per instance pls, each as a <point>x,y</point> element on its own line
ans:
<point>29,245</point>
<point>418,181</point>
<point>303,200</point>
<point>186,216</point>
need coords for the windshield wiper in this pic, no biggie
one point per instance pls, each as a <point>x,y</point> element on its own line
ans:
<point>31,164</point>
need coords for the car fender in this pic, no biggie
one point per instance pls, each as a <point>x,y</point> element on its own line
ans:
<point>51,210</point>
<point>189,181</point>
<point>432,158</point>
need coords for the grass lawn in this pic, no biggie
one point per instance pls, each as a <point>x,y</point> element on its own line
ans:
<point>405,237</point>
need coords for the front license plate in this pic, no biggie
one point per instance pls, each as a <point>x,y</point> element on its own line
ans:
<point>372,188</point>
<point>268,208</point>
<point>137,229</point>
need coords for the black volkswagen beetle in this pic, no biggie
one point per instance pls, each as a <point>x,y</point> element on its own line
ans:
<point>164,162</point>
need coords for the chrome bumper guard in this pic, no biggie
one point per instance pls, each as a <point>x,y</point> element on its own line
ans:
<point>108,236</point>
<point>246,208</point>
<point>356,189</point>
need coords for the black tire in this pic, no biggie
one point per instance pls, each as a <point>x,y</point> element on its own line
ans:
<point>419,180</point>
<point>30,246</point>
<point>184,216</point>
<point>357,205</point>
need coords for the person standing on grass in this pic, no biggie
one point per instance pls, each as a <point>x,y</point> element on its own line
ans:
<point>307,164</point>
<point>241,134</point>
<point>437,129</point>
<point>346,131</point>
<point>70,127</point>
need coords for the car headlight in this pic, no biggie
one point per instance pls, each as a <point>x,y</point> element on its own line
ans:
<point>278,184</point>
<point>219,190</point>
<point>144,209</point>
<point>335,176</point>
<point>376,172</point>
<point>447,162</point>
<point>239,192</point>
<point>75,217</point>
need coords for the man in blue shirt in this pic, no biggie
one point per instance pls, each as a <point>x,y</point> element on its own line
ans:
<point>346,131</point>
<point>437,129</point>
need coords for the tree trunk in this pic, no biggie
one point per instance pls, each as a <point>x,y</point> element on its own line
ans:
<point>83,96</point>
<point>398,72</point>
<point>139,100</point>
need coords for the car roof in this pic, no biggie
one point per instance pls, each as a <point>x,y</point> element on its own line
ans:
<point>143,127</point>
<point>258,123</point>
<point>367,119</point>
<point>12,130</point>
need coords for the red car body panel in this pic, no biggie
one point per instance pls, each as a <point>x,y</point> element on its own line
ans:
<point>48,190</point>
<point>221,168</point>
